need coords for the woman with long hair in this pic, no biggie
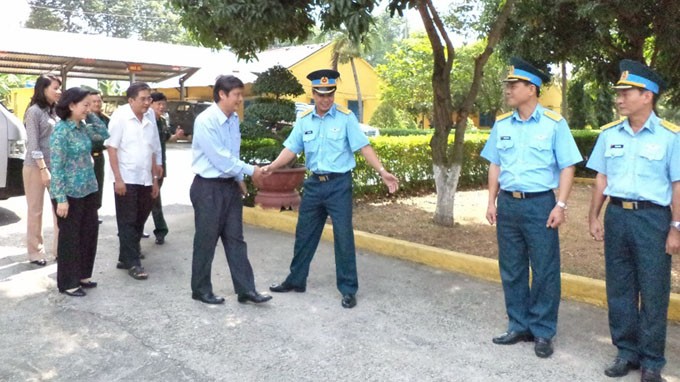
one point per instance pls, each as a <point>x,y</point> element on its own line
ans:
<point>74,192</point>
<point>39,121</point>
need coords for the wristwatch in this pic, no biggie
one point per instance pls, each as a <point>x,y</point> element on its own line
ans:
<point>562,204</point>
<point>676,225</point>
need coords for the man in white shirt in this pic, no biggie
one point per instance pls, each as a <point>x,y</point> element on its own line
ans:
<point>135,156</point>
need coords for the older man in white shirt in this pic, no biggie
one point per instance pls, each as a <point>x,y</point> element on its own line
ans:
<point>135,156</point>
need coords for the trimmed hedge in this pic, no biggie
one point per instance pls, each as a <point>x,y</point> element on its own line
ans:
<point>410,159</point>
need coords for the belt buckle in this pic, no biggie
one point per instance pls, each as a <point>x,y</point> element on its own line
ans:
<point>629,205</point>
<point>518,195</point>
<point>95,154</point>
<point>323,178</point>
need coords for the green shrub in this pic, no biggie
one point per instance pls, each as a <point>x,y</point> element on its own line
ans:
<point>404,132</point>
<point>410,159</point>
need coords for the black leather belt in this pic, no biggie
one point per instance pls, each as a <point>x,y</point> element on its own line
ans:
<point>328,176</point>
<point>218,180</point>
<point>628,204</point>
<point>526,195</point>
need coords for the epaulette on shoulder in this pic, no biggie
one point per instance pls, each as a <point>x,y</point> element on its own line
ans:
<point>670,126</point>
<point>612,124</point>
<point>504,116</point>
<point>306,112</point>
<point>342,109</point>
<point>552,115</point>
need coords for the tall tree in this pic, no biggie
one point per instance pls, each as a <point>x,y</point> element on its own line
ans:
<point>250,26</point>
<point>345,50</point>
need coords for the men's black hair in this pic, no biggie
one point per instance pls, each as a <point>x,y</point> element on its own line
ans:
<point>41,84</point>
<point>538,88</point>
<point>226,84</point>
<point>135,88</point>
<point>158,96</point>
<point>70,96</point>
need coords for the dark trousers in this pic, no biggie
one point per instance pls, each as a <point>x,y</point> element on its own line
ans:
<point>99,162</point>
<point>638,274</point>
<point>525,242</point>
<point>77,245</point>
<point>218,214</point>
<point>161,227</point>
<point>132,210</point>
<point>321,199</point>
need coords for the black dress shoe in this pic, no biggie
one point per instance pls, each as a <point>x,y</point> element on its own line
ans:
<point>285,287</point>
<point>160,240</point>
<point>76,293</point>
<point>145,235</point>
<point>100,221</point>
<point>88,284</point>
<point>40,263</point>
<point>543,347</point>
<point>121,265</point>
<point>620,367</point>
<point>253,296</point>
<point>349,301</point>
<point>207,298</point>
<point>649,375</point>
<point>511,338</point>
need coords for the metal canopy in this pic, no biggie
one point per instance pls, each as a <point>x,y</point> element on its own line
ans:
<point>32,51</point>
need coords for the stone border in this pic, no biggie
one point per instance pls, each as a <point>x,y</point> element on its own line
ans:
<point>577,288</point>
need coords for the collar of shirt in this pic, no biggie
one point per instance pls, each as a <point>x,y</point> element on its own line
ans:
<point>219,114</point>
<point>650,124</point>
<point>73,125</point>
<point>330,112</point>
<point>536,115</point>
<point>128,114</point>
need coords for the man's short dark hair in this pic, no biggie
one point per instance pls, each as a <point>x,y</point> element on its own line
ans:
<point>135,88</point>
<point>655,97</point>
<point>158,96</point>
<point>72,95</point>
<point>226,84</point>
<point>538,88</point>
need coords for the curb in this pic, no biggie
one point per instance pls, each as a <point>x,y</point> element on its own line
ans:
<point>577,288</point>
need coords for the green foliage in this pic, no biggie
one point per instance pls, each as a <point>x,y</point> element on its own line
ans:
<point>9,81</point>
<point>278,81</point>
<point>387,116</point>
<point>597,34</point>
<point>404,132</point>
<point>250,26</point>
<point>490,97</point>
<point>579,105</point>
<point>270,116</point>
<point>407,75</point>
<point>585,140</point>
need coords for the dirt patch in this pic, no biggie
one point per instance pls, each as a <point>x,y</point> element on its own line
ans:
<point>411,219</point>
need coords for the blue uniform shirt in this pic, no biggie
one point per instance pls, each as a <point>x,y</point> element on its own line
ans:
<point>216,146</point>
<point>531,153</point>
<point>329,141</point>
<point>638,166</point>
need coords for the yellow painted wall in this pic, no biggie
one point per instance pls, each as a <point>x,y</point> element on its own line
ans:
<point>18,100</point>
<point>551,97</point>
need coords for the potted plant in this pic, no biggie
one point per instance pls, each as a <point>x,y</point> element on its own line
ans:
<point>267,122</point>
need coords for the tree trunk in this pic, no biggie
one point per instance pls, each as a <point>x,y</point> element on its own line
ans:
<point>360,101</point>
<point>448,161</point>
<point>446,181</point>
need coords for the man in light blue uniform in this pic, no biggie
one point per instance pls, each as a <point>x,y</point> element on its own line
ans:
<point>216,195</point>
<point>637,159</point>
<point>531,151</point>
<point>329,135</point>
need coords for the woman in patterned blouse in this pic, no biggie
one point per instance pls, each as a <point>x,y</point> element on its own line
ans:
<point>74,192</point>
<point>39,121</point>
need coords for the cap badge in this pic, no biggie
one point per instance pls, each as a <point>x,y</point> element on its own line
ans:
<point>324,80</point>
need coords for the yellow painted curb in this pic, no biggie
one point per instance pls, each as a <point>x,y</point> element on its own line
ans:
<point>574,287</point>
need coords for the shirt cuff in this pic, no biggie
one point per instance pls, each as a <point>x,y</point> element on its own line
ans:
<point>61,199</point>
<point>248,169</point>
<point>37,155</point>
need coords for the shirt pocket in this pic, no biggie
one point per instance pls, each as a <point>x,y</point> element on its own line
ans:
<point>336,138</point>
<point>540,150</point>
<point>310,142</point>
<point>506,150</point>
<point>652,163</point>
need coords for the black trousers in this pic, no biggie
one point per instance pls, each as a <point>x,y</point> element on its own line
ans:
<point>99,162</point>
<point>77,246</point>
<point>132,210</point>
<point>161,227</point>
<point>218,214</point>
